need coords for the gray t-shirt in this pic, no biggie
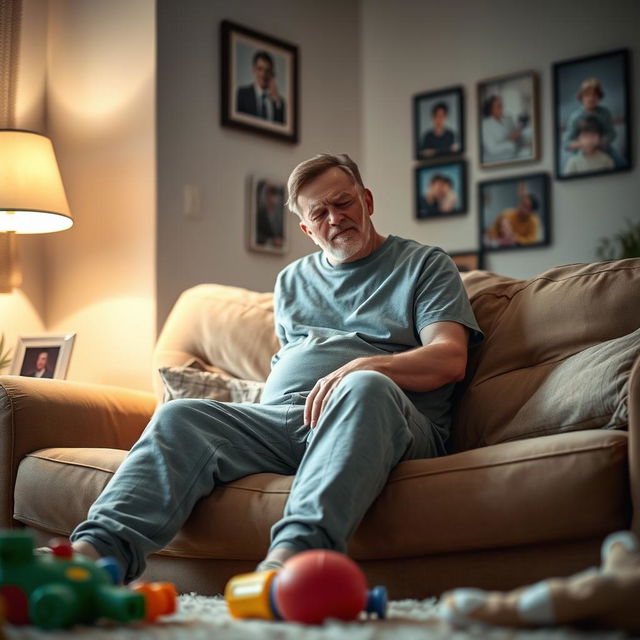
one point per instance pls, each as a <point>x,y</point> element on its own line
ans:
<point>327,315</point>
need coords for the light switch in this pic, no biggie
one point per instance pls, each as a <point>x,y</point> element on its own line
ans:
<point>191,202</point>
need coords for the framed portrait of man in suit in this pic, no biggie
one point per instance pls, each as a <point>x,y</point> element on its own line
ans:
<point>43,356</point>
<point>259,82</point>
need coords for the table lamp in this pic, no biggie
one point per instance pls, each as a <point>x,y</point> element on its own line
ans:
<point>32,197</point>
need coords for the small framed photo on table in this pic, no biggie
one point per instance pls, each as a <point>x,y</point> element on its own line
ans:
<point>259,82</point>
<point>515,212</point>
<point>592,115</point>
<point>43,356</point>
<point>438,123</point>
<point>267,215</point>
<point>441,190</point>
<point>509,129</point>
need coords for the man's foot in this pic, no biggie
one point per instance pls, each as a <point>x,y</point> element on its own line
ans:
<point>83,548</point>
<point>275,559</point>
<point>269,565</point>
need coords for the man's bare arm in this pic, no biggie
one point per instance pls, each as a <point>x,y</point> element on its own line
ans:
<point>441,359</point>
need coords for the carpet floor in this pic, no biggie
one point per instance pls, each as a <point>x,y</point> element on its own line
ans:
<point>202,618</point>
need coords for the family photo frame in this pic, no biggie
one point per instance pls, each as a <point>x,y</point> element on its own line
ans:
<point>441,190</point>
<point>515,212</point>
<point>259,82</point>
<point>438,123</point>
<point>267,215</point>
<point>592,115</point>
<point>43,356</point>
<point>509,121</point>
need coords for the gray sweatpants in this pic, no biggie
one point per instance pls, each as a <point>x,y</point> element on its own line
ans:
<point>191,446</point>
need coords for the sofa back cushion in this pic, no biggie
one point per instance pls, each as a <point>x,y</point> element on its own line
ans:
<point>535,329</point>
<point>227,330</point>
<point>541,335</point>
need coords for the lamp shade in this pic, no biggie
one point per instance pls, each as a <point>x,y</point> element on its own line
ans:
<point>32,197</point>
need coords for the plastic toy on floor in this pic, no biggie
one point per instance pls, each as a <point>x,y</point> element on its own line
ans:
<point>311,587</point>
<point>58,589</point>
<point>607,597</point>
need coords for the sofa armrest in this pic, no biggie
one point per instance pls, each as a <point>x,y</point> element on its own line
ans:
<point>37,413</point>
<point>634,444</point>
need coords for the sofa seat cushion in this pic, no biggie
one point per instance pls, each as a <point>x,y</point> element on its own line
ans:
<point>548,489</point>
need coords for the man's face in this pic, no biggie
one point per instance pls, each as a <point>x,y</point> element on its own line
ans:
<point>336,215</point>
<point>263,73</point>
<point>42,360</point>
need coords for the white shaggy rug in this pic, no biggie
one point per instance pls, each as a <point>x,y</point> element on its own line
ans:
<point>202,618</point>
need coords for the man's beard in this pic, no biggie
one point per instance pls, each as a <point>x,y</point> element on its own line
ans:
<point>342,251</point>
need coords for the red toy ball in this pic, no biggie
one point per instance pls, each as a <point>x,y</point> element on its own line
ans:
<point>316,585</point>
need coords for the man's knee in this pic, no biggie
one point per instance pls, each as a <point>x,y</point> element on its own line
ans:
<point>371,385</point>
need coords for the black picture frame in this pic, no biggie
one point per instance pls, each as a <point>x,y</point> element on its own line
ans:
<point>518,94</point>
<point>467,260</point>
<point>500,225</point>
<point>592,98</point>
<point>430,106</point>
<point>447,182</point>
<point>245,58</point>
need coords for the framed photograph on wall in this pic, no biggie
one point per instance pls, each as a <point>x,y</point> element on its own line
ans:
<point>259,82</point>
<point>441,190</point>
<point>467,260</point>
<point>267,215</point>
<point>438,123</point>
<point>515,212</point>
<point>592,115</point>
<point>43,356</point>
<point>509,119</point>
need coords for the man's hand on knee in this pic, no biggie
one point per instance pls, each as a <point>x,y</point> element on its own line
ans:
<point>322,390</point>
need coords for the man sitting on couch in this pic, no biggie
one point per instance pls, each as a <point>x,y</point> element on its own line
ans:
<point>374,333</point>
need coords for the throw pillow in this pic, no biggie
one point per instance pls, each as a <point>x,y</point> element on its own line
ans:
<point>588,390</point>
<point>187,382</point>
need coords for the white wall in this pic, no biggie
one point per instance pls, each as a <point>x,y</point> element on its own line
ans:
<point>194,149</point>
<point>414,46</point>
<point>101,116</point>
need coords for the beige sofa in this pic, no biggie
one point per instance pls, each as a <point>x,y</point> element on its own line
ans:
<point>533,484</point>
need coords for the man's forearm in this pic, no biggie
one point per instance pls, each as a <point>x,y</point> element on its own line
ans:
<point>422,369</point>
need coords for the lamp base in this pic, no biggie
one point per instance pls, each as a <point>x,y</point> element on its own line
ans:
<point>10,275</point>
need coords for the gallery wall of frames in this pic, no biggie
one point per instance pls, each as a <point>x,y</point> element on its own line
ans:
<point>592,137</point>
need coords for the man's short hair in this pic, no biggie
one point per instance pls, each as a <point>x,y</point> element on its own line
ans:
<point>590,124</point>
<point>264,55</point>
<point>439,105</point>
<point>310,169</point>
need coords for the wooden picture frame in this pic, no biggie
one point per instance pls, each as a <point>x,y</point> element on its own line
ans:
<point>267,215</point>
<point>258,82</point>
<point>509,119</point>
